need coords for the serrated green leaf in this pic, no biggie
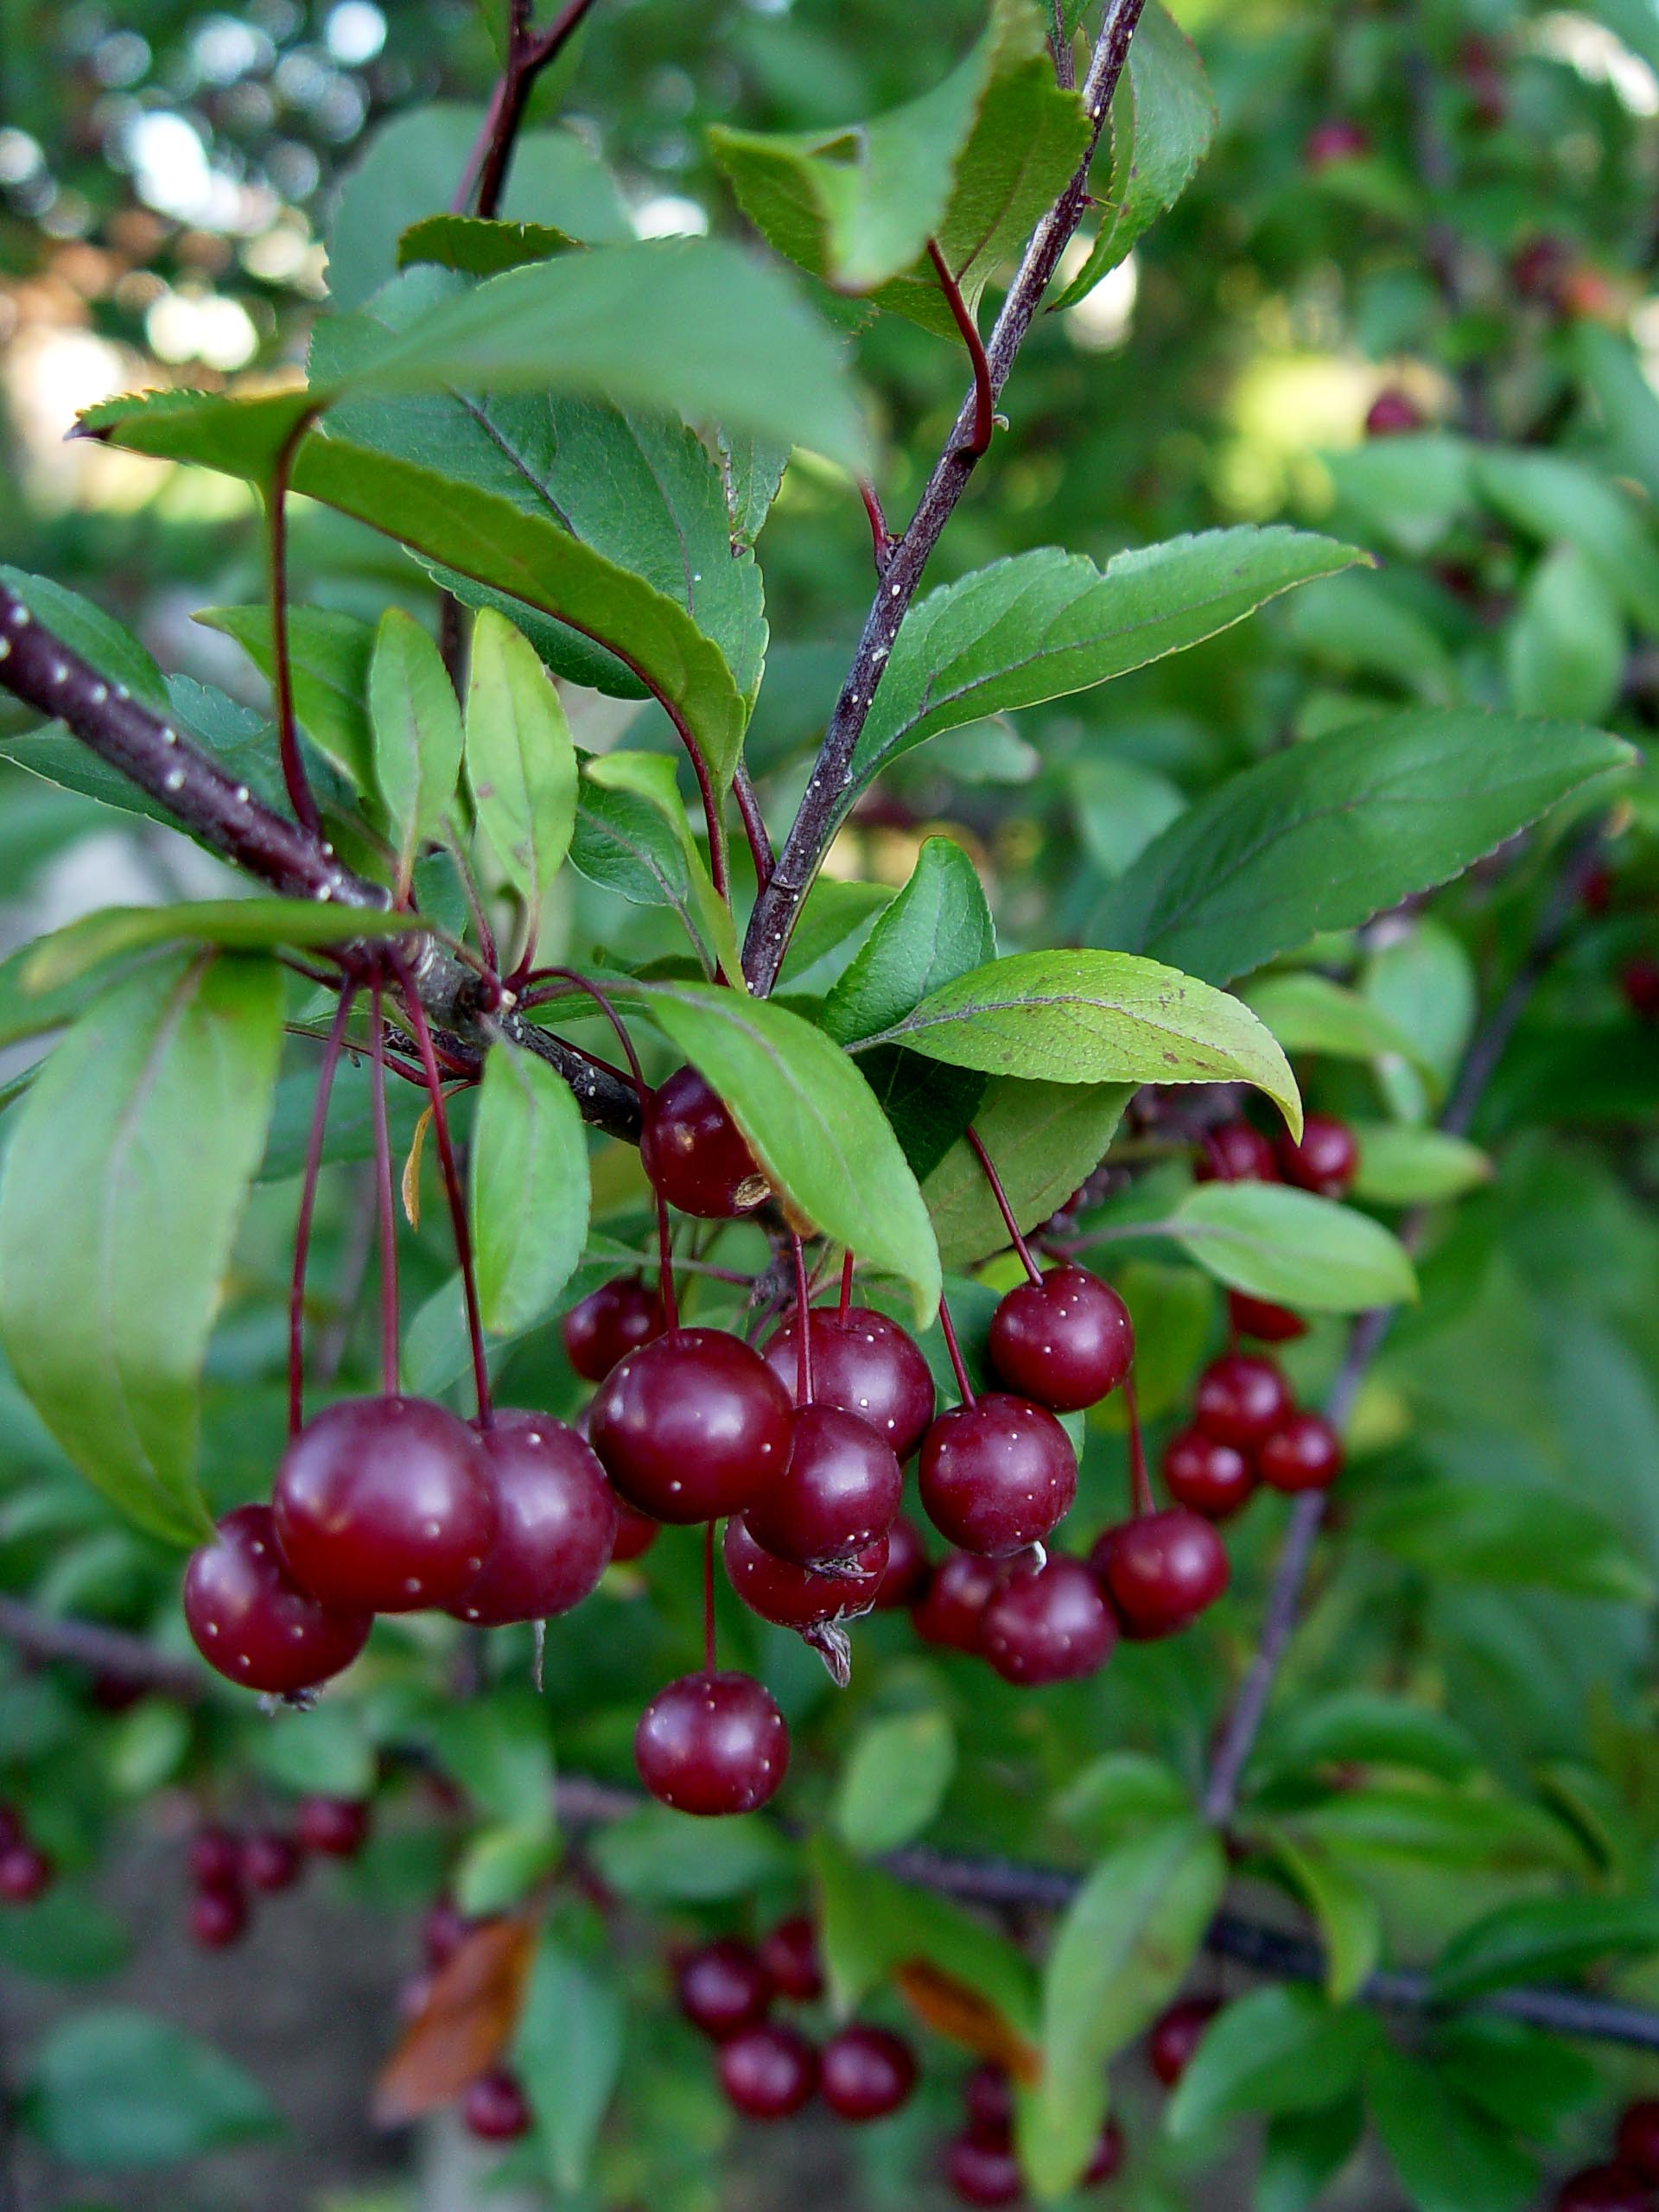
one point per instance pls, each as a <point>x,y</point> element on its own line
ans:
<point>1282,2050</point>
<point>939,927</point>
<point>521,765</point>
<point>1044,1138</point>
<point>651,777</point>
<point>624,842</point>
<point>1272,1241</point>
<point>329,657</point>
<point>475,245</point>
<point>126,1174</point>
<point>530,1191</point>
<point>414,718</point>
<point>233,925</point>
<point>893,1779</point>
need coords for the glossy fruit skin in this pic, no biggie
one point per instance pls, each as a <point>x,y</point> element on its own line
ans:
<point>1210,1478</point>
<point>26,1872</point>
<point>1240,1398</point>
<point>988,2098</point>
<point>1638,2137</point>
<point>865,1365</point>
<point>1325,1161</point>
<point>1162,1570</point>
<point>269,1861</point>
<point>1392,414</point>
<point>217,1918</point>
<point>838,1491</point>
<point>250,1620</point>
<point>798,1596</point>
<point>610,1323</point>
<point>693,1154</point>
<point>996,1476</point>
<point>494,2108</point>
<point>1176,2034</point>
<point>723,1988</point>
<point>952,1605</point>
<point>768,2072</point>
<point>1304,1453</point>
<point>865,2073</point>
<point>982,2172</point>
<point>636,1532</point>
<point>1612,2188</point>
<point>1261,1318</point>
<point>692,1426</point>
<point>1048,1624</point>
<point>906,1573</point>
<point>790,1955</point>
<point>214,1859</point>
<point>1064,1341</point>
<point>384,1505</point>
<point>555,1523</point>
<point>336,1827</point>
<point>711,1745</point>
<point>1105,2158</point>
<point>1235,1153</point>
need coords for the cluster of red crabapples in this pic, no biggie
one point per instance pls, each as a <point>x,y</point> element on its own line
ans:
<point>228,1869</point>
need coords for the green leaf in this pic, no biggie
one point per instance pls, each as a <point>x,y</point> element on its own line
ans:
<point>1349,1919</point>
<point>1045,1139</point>
<point>1400,1165</point>
<point>1280,2049</point>
<point>1303,2154</point>
<point>1163,120</point>
<point>1517,1536</point>
<point>68,1935</point>
<point>568,2053</point>
<point>107,644</point>
<point>971,163</point>
<point>500,1866</point>
<point>416,720</point>
<point>1544,1939</point>
<point>520,762</point>
<point>752,470</point>
<point>115,2088</point>
<point>1561,501</point>
<point>1365,1728</point>
<point>1121,807</point>
<point>327,1753</point>
<point>894,1780</point>
<point>127,1168</point>
<point>1446,2156</point>
<point>1095,1017</point>
<point>329,656</point>
<point>1526,2080</point>
<point>810,1121</point>
<point>1327,833</point>
<point>1612,369</point>
<point>1374,625</point>
<point>233,925</point>
<point>624,842</point>
<point>1424,981</point>
<point>1310,1013</point>
<point>1119,1955</point>
<point>1430,1824</point>
<point>530,1194</point>
<point>478,246</point>
<point>939,927</point>
<point>1564,645</point>
<point>500,1750</point>
<point>1272,1241</point>
<point>1407,492</point>
<point>651,777</point>
<point>659,1857</point>
<point>1043,624</point>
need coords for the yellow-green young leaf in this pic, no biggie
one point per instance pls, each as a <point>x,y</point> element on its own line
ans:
<point>1297,1250</point>
<point>1095,1017</point>
<point>1349,1919</point>
<point>1044,1138</point>
<point>416,719</point>
<point>520,762</point>
<point>1119,1955</point>
<point>328,657</point>
<point>233,925</point>
<point>1401,1165</point>
<point>1310,1013</point>
<point>894,1780</point>
<point>650,776</point>
<point>812,1122</point>
<point>530,1188</point>
<point>125,1178</point>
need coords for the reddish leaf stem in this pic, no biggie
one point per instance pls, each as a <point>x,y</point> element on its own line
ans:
<point>708,1653</point>
<point>803,1308</point>
<point>846,1283</point>
<point>1003,1207</point>
<point>1139,1482</point>
<point>389,1332</point>
<point>965,1389</point>
<point>984,388</point>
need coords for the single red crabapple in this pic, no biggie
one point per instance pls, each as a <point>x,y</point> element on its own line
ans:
<point>336,1827</point>
<point>26,1872</point>
<point>865,1365</point>
<point>1064,1341</point>
<point>799,1597</point>
<point>836,1492</point>
<point>906,1570</point>
<point>995,1476</point>
<point>691,1427</point>
<point>1338,140</point>
<point>1235,1153</point>
<point>865,2073</point>
<point>1105,2158</point>
<point>1176,2034</point>
<point>1240,1398</point>
<point>213,1860</point>
<point>636,1532</point>
<point>249,1619</point>
<point>1391,414</point>
<point>1210,1478</point>
<point>723,1988</point>
<point>1638,983</point>
<point>1161,1570</point>
<point>1638,2137</point>
<point>494,2108</point>
<point>768,2072</point>
<point>953,1601</point>
<point>270,1861</point>
<point>1326,1159</point>
<point>1260,1317</point>
<point>1047,1625</point>
<point>988,2097</point>
<point>1304,1453</point>
<point>980,2172</point>
<point>712,1744</point>
<point>790,1955</point>
<point>217,1919</point>
<point>694,1154</point>
<point>608,1324</point>
<point>384,1505</point>
<point>555,1523</point>
<point>1610,2187</point>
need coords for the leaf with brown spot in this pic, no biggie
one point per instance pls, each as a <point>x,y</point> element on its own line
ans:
<point>955,2009</point>
<point>467,2022</point>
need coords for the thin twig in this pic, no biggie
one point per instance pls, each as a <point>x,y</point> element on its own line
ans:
<point>754,826</point>
<point>100,1650</point>
<point>527,57</point>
